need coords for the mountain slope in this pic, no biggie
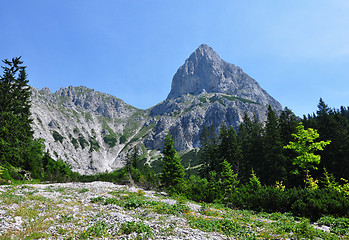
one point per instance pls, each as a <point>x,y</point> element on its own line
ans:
<point>88,129</point>
<point>94,131</point>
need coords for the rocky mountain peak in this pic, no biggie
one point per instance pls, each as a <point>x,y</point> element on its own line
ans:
<point>205,71</point>
<point>204,53</point>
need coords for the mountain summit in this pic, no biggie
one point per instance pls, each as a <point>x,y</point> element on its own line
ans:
<point>205,71</point>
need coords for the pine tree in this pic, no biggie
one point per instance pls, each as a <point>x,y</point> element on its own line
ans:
<point>229,148</point>
<point>250,137</point>
<point>208,151</point>
<point>173,172</point>
<point>16,134</point>
<point>274,167</point>
<point>288,123</point>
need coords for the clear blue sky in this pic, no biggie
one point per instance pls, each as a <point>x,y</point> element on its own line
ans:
<point>297,50</point>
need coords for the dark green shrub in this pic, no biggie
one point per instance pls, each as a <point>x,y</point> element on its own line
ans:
<point>316,203</point>
<point>110,140</point>
<point>57,137</point>
<point>302,202</point>
<point>123,139</point>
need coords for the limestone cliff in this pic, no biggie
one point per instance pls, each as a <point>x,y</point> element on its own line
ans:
<point>93,131</point>
<point>205,71</point>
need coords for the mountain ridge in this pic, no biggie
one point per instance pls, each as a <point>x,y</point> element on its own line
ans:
<point>94,131</point>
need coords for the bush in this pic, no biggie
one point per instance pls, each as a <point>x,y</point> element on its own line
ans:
<point>302,202</point>
<point>319,202</point>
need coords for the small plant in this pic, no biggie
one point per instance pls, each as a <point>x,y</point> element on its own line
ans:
<point>83,190</point>
<point>99,230</point>
<point>310,182</point>
<point>304,230</point>
<point>138,227</point>
<point>97,199</point>
<point>254,181</point>
<point>279,185</point>
<point>164,208</point>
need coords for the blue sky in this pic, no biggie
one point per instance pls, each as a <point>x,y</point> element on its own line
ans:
<point>297,50</point>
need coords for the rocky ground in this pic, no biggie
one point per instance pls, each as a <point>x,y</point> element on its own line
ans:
<point>102,210</point>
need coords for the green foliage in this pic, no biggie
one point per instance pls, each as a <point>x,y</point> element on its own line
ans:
<point>229,179</point>
<point>225,226</point>
<point>94,145</point>
<point>338,226</point>
<point>301,202</point>
<point>15,129</point>
<point>123,139</point>
<point>173,172</point>
<point>98,230</point>
<point>137,227</point>
<point>305,147</point>
<point>97,199</point>
<point>58,171</point>
<point>254,182</point>
<point>209,148</point>
<point>57,137</point>
<point>110,139</point>
<point>82,141</point>
<point>174,209</point>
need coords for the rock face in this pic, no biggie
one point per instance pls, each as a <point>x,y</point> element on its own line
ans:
<point>93,131</point>
<point>88,129</point>
<point>205,71</point>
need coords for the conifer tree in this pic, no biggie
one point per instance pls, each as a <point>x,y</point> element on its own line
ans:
<point>173,172</point>
<point>250,137</point>
<point>229,179</point>
<point>229,148</point>
<point>274,167</point>
<point>208,151</point>
<point>16,134</point>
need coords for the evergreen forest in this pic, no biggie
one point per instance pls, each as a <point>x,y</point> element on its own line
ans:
<point>287,164</point>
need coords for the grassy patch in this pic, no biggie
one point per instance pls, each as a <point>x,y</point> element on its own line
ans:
<point>98,230</point>
<point>137,227</point>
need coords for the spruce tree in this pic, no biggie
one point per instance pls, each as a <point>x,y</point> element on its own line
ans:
<point>16,135</point>
<point>274,167</point>
<point>173,172</point>
<point>208,152</point>
<point>250,137</point>
<point>229,148</point>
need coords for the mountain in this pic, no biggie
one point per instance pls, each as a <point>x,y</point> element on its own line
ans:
<point>205,71</point>
<point>94,131</point>
<point>88,129</point>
